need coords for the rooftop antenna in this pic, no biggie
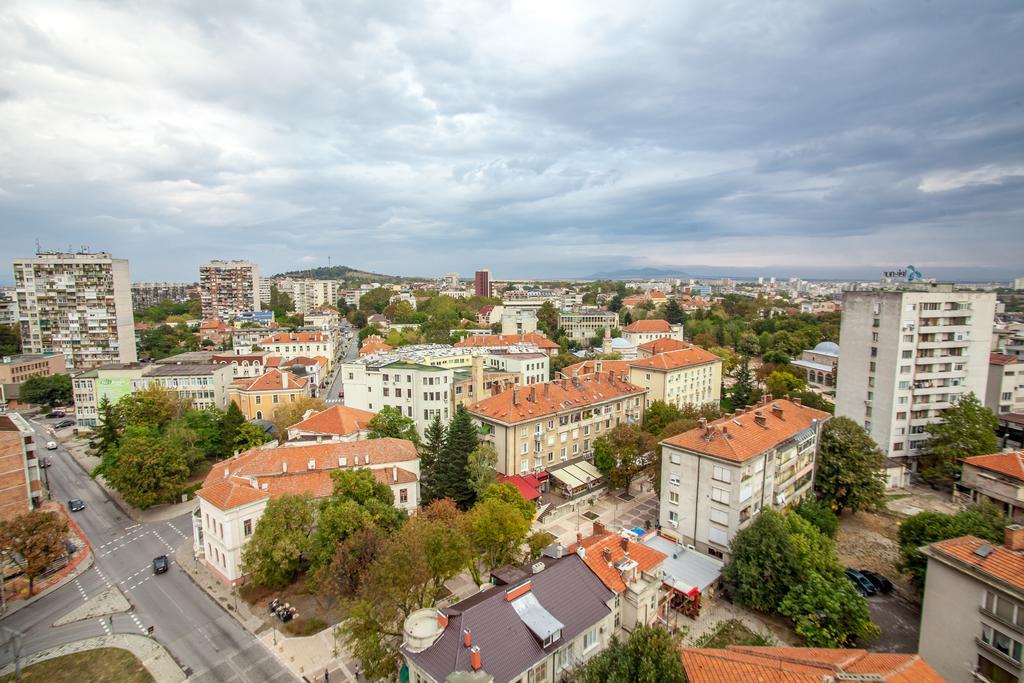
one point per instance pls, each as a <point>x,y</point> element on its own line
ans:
<point>39,247</point>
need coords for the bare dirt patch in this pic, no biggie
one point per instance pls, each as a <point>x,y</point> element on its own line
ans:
<point>870,541</point>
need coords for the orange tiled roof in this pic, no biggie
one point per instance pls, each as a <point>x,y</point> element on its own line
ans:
<point>673,360</point>
<point>656,346</point>
<point>1002,359</point>
<point>653,325</point>
<point>739,437</point>
<point>294,338</point>
<point>647,558</point>
<point>319,484</point>
<point>338,420</point>
<point>801,665</point>
<point>1002,564</point>
<point>588,367</point>
<point>229,494</point>
<point>272,380</point>
<point>549,398</point>
<point>483,340</point>
<point>373,344</point>
<point>1010,464</point>
<point>214,324</point>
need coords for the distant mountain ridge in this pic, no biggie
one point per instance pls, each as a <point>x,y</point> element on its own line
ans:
<point>340,273</point>
<point>634,273</point>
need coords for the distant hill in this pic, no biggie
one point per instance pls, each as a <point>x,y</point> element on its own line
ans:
<point>638,273</point>
<point>340,273</point>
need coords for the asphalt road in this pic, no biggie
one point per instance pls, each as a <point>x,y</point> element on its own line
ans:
<point>206,641</point>
<point>349,352</point>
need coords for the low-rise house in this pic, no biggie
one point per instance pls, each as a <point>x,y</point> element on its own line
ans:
<point>643,331</point>
<point>997,478</point>
<point>291,344</point>
<point>543,425</point>
<point>716,478</point>
<point>313,369</point>
<point>819,364</point>
<point>236,491</point>
<point>584,325</point>
<point>260,397</point>
<point>628,568</point>
<point>374,343</point>
<point>215,331</point>
<point>337,423</point>
<point>740,664</point>
<point>421,392</point>
<point>551,620</point>
<point>243,365</point>
<point>1005,388</point>
<point>972,619</point>
<point>503,341</point>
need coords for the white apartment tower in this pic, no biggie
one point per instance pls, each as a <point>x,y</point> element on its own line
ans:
<point>79,305</point>
<point>228,287</point>
<point>907,355</point>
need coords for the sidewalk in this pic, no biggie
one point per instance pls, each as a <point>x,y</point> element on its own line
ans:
<point>609,509</point>
<point>307,656</point>
<point>151,653</point>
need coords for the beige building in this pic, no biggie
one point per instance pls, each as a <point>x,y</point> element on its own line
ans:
<point>715,479</point>
<point>337,423</point>
<point>112,382</point>
<point>20,487</point>
<point>79,305</point>
<point>1005,392</point>
<point>908,354</point>
<point>643,331</point>
<point>687,376</point>
<point>237,490</point>
<point>206,386</point>
<point>972,619</point>
<point>259,398</point>
<point>819,365</point>
<point>291,344</point>
<point>16,369</point>
<point>547,424</point>
<point>997,478</point>
<point>228,287</point>
<point>584,325</point>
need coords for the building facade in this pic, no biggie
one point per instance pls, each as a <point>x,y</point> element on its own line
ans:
<point>206,386</point>
<point>146,294</point>
<point>482,283</point>
<point>643,331</point>
<point>79,305</point>
<point>421,392</point>
<point>291,344</point>
<point>819,365</point>
<point>1005,392</point>
<point>717,478</point>
<point>908,354</point>
<point>259,398</point>
<point>996,478</point>
<point>21,489</point>
<point>228,287</point>
<point>16,369</point>
<point>584,325</point>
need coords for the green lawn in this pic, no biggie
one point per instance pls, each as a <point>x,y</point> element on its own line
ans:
<point>105,665</point>
<point>734,632</point>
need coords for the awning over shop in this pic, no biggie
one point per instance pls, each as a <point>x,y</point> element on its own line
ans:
<point>527,489</point>
<point>577,475</point>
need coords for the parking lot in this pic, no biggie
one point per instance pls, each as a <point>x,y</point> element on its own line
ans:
<point>899,622</point>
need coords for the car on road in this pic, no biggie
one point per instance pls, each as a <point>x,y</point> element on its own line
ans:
<point>64,423</point>
<point>860,582</point>
<point>45,462</point>
<point>76,504</point>
<point>881,584</point>
<point>56,413</point>
<point>160,564</point>
<point>51,445</point>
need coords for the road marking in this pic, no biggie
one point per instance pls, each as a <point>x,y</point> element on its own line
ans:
<point>137,622</point>
<point>122,542</point>
<point>177,530</point>
<point>81,590</point>
<point>157,534</point>
<point>103,623</point>
<point>103,576</point>
<point>133,526</point>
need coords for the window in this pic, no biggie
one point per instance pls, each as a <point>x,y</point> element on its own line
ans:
<point>403,495</point>
<point>746,492</point>
<point>673,497</point>
<point>673,480</point>
<point>719,495</point>
<point>673,516</point>
<point>1001,642</point>
<point>719,516</point>
<point>719,536</point>
<point>590,639</point>
<point>723,474</point>
<point>247,527</point>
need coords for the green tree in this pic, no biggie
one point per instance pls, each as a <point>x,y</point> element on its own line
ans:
<point>356,318</point>
<point>820,514</point>
<point>536,542</point>
<point>967,428</point>
<point>54,390</point>
<point>827,611</point>
<point>373,330</point>
<point>453,470</point>
<point>763,565</point>
<point>658,415</point>
<point>481,468</point>
<point>496,529</point>
<point>283,534</point>
<point>508,493</point>
<point>649,655</point>
<point>108,431</point>
<point>742,392</point>
<point>781,383</point>
<point>623,453</point>
<point>674,315</point>
<point>250,435</point>
<point>376,300</point>
<point>748,345</point>
<point>547,319</point>
<point>147,468</point>
<point>352,558</point>
<point>982,520</point>
<point>390,422</point>
<point>850,470</point>
<point>38,537</point>
<point>153,407</point>
<point>337,520</point>
<point>430,459</point>
<point>231,422</point>
<point>10,340</point>
<point>289,413</point>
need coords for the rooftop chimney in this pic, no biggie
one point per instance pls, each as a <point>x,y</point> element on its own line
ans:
<point>442,619</point>
<point>284,465</point>
<point>284,380</point>
<point>579,538</point>
<point>515,396</point>
<point>394,472</point>
<point>547,390</point>
<point>759,418</point>
<point>598,528</point>
<point>467,638</point>
<point>607,554</point>
<point>624,542</point>
<point>777,411</point>
<point>798,401</point>
<point>533,394</point>
<point>703,422</point>
<point>474,658</point>
<point>1013,537</point>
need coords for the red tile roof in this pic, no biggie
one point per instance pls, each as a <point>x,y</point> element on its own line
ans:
<point>526,489</point>
<point>497,340</point>
<point>649,326</point>
<point>739,437</point>
<point>656,346</point>
<point>647,558</point>
<point>589,367</point>
<point>294,338</point>
<point>737,664</point>
<point>1002,359</point>
<point>272,380</point>
<point>1010,464</point>
<point>515,405</point>
<point>373,344</point>
<point>337,420</point>
<point>1002,564</point>
<point>229,494</point>
<point>673,360</point>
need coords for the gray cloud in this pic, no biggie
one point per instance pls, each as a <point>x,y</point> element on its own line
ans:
<point>535,139</point>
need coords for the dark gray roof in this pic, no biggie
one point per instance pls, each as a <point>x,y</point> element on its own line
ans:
<point>566,589</point>
<point>190,370</point>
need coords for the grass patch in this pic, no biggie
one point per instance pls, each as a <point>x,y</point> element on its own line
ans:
<point>733,632</point>
<point>305,627</point>
<point>105,665</point>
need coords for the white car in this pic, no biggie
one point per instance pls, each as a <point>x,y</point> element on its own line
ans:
<point>51,445</point>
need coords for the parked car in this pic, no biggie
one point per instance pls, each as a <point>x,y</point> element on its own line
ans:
<point>63,424</point>
<point>51,445</point>
<point>160,564</point>
<point>881,584</point>
<point>45,462</point>
<point>56,413</point>
<point>76,504</point>
<point>860,582</point>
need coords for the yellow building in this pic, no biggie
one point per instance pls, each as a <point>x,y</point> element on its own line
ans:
<point>258,398</point>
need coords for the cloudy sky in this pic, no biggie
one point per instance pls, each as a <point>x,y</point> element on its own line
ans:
<point>548,138</point>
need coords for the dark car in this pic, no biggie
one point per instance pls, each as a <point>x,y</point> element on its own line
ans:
<point>881,584</point>
<point>64,423</point>
<point>160,564</point>
<point>56,413</point>
<point>45,462</point>
<point>860,582</point>
<point>76,504</point>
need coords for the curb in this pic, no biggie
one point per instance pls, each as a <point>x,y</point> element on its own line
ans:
<point>103,485</point>
<point>104,642</point>
<point>83,566</point>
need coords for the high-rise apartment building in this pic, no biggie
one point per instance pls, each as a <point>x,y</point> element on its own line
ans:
<point>227,287</point>
<point>8,306</point>
<point>79,305</point>
<point>146,294</point>
<point>907,355</point>
<point>482,282</point>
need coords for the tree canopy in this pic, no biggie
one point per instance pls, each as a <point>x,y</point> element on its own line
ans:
<point>50,391</point>
<point>624,452</point>
<point>38,537</point>
<point>967,428</point>
<point>850,472</point>
<point>283,534</point>
<point>649,655</point>
<point>390,422</point>
<point>982,520</point>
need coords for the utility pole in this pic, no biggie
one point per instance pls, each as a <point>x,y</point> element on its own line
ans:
<point>16,640</point>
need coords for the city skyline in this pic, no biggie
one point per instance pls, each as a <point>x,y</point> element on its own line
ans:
<point>569,139</point>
